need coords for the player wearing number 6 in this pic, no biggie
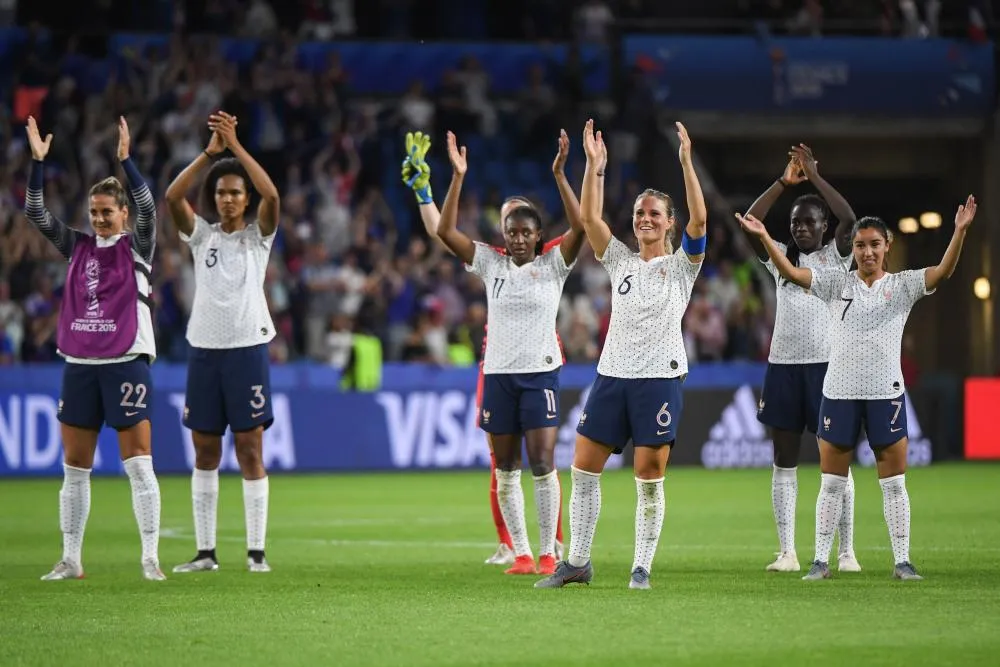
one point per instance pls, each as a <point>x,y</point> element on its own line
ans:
<point>523,357</point>
<point>106,337</point>
<point>864,383</point>
<point>228,382</point>
<point>637,394</point>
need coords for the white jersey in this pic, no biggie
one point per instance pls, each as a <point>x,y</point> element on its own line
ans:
<point>801,323</point>
<point>229,310</point>
<point>867,333</point>
<point>522,305</point>
<point>145,340</point>
<point>648,300</point>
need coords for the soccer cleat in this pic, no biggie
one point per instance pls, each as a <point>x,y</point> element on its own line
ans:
<point>640,579</point>
<point>64,569</point>
<point>848,563</point>
<point>560,553</point>
<point>260,565</point>
<point>503,556</point>
<point>567,574</point>
<point>546,564</point>
<point>817,571</point>
<point>906,572</point>
<point>786,562</point>
<point>197,565</point>
<point>522,565</point>
<point>151,571</point>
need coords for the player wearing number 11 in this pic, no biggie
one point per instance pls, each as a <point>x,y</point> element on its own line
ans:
<point>228,383</point>
<point>106,336</point>
<point>637,394</point>
<point>864,382</point>
<point>523,357</point>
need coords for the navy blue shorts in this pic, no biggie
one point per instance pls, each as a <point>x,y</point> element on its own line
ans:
<point>791,397</point>
<point>519,402</point>
<point>228,388</point>
<point>884,421</point>
<point>119,395</point>
<point>646,411</point>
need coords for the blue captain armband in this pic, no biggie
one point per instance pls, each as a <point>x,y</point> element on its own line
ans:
<point>693,246</point>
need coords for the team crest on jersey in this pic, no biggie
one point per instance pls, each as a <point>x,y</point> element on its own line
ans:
<point>534,274</point>
<point>887,294</point>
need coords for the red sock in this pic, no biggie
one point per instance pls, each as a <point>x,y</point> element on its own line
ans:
<point>502,535</point>
<point>559,534</point>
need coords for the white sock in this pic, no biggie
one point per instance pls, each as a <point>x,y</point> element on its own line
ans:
<point>846,527</point>
<point>547,502</point>
<point>896,506</point>
<point>649,510</point>
<point>784,494</point>
<point>205,501</point>
<point>74,508</point>
<point>255,493</point>
<point>511,499</point>
<point>145,504</point>
<point>829,507</point>
<point>584,510</point>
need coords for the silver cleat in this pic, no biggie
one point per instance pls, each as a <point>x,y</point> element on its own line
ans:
<point>197,565</point>
<point>906,572</point>
<point>817,571</point>
<point>258,566</point>
<point>151,571</point>
<point>567,574</point>
<point>64,569</point>
<point>640,579</point>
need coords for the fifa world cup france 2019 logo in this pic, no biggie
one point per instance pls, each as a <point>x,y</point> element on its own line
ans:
<point>92,274</point>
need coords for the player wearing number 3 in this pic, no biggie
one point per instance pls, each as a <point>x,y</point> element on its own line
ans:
<point>864,382</point>
<point>522,360</point>
<point>637,394</point>
<point>228,382</point>
<point>106,335</point>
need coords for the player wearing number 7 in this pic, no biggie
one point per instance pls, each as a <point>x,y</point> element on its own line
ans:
<point>228,382</point>
<point>106,336</point>
<point>864,382</point>
<point>523,357</point>
<point>637,394</point>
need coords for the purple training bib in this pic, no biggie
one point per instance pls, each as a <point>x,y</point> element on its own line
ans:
<point>98,318</point>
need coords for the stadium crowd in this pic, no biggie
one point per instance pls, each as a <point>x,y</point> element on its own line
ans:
<point>350,253</point>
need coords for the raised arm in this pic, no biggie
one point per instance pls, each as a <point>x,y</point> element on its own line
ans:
<point>51,227</point>
<point>761,207</point>
<point>270,203</point>
<point>838,205</point>
<point>181,213</point>
<point>416,175</point>
<point>963,218</point>
<point>144,239</point>
<point>795,274</point>
<point>592,192</point>
<point>697,225</point>
<point>456,241</point>
<point>572,240</point>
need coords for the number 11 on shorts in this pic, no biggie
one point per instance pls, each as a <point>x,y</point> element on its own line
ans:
<point>550,404</point>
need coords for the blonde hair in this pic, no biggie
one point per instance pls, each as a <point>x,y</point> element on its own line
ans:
<point>668,203</point>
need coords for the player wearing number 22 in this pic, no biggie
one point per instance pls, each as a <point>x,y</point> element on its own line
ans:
<point>637,394</point>
<point>228,382</point>
<point>521,366</point>
<point>864,382</point>
<point>106,336</point>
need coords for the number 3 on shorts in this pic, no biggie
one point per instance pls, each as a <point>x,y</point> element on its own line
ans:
<point>258,401</point>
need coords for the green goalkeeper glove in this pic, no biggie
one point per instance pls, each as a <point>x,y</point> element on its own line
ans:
<point>416,172</point>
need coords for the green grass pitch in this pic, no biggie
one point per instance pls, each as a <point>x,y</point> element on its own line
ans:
<point>388,570</point>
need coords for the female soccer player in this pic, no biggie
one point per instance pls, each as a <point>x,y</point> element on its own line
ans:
<point>637,394</point>
<point>864,384</point>
<point>800,347</point>
<point>106,337</point>
<point>521,385</point>
<point>228,381</point>
<point>416,174</point>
